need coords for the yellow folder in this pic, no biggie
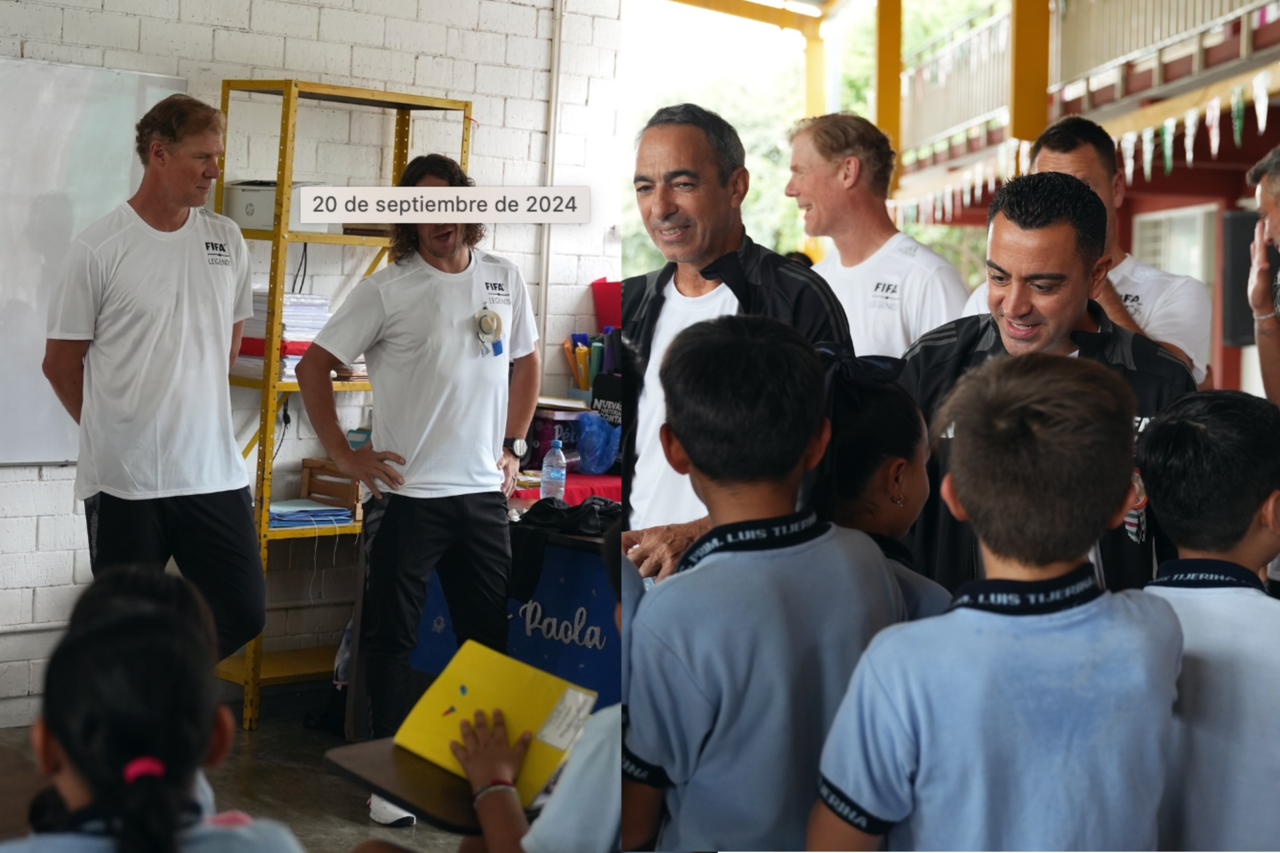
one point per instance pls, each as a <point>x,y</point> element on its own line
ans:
<point>478,678</point>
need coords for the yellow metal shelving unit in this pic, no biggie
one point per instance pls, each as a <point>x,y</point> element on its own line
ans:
<point>256,668</point>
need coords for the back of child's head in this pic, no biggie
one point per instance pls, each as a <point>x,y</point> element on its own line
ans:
<point>744,397</point>
<point>126,589</point>
<point>130,697</point>
<point>1208,462</point>
<point>1042,453</point>
<point>873,419</point>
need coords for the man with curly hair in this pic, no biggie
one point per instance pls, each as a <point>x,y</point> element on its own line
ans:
<point>441,461</point>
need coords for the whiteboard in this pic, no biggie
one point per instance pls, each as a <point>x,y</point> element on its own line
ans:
<point>66,160</point>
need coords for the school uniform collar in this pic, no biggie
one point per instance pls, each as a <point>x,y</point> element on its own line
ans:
<point>894,549</point>
<point>1030,598</point>
<point>763,534</point>
<point>1204,574</point>
<point>95,819</point>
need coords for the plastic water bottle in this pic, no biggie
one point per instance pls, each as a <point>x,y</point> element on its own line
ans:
<point>553,472</point>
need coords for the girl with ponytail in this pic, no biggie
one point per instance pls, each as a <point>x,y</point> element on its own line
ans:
<point>879,450</point>
<point>129,716</point>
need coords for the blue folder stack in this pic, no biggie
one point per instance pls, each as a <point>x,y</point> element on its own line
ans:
<point>302,512</point>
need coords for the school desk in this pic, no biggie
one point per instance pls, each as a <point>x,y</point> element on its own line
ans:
<point>579,487</point>
<point>412,783</point>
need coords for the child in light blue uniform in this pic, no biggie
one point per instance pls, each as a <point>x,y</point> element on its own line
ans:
<point>129,715</point>
<point>879,450</point>
<point>1212,471</point>
<point>1034,714</point>
<point>740,658</point>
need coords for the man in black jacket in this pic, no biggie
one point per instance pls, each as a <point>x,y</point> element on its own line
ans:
<point>1045,265</point>
<point>690,183</point>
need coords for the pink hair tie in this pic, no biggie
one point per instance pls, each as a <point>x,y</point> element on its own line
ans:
<point>144,766</point>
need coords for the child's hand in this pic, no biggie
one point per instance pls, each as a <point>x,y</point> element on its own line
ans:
<point>485,754</point>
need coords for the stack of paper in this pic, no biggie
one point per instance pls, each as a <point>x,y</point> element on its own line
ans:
<point>251,366</point>
<point>303,512</point>
<point>302,317</point>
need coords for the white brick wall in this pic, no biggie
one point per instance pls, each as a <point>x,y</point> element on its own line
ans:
<point>493,53</point>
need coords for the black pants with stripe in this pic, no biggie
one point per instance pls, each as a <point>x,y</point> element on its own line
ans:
<point>211,537</point>
<point>465,538</point>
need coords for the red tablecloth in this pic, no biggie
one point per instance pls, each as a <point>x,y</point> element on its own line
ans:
<point>579,487</point>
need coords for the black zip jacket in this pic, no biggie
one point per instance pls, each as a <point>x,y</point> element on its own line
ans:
<point>946,550</point>
<point>765,283</point>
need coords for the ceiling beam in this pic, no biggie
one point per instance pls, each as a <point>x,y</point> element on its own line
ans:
<point>759,12</point>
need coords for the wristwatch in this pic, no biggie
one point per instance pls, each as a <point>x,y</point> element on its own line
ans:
<point>517,446</point>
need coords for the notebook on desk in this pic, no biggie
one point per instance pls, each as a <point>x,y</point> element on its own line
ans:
<point>478,678</point>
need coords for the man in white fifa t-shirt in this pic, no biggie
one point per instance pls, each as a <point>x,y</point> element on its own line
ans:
<point>690,183</point>
<point>1173,310</point>
<point>141,330</point>
<point>893,288</point>
<point>448,432</point>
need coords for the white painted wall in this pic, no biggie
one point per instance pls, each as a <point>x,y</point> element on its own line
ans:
<point>496,54</point>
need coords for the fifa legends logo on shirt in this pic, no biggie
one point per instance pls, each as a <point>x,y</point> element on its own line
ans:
<point>1132,304</point>
<point>217,254</point>
<point>885,296</point>
<point>496,293</point>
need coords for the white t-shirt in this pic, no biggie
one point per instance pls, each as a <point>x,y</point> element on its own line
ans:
<point>1222,776</point>
<point>158,308</point>
<point>658,494</point>
<point>896,295</point>
<point>438,400</point>
<point>1172,308</point>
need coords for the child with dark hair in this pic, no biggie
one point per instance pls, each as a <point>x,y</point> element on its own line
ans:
<point>879,456</point>
<point>740,658</point>
<point>129,715</point>
<point>123,589</point>
<point>1211,468</point>
<point>1033,714</point>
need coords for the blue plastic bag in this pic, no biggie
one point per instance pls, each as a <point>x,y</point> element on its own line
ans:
<point>597,444</point>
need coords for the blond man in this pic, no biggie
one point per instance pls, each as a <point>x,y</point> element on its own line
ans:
<point>893,289</point>
<point>142,329</point>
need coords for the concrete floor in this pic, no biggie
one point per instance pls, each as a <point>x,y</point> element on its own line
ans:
<point>278,772</point>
